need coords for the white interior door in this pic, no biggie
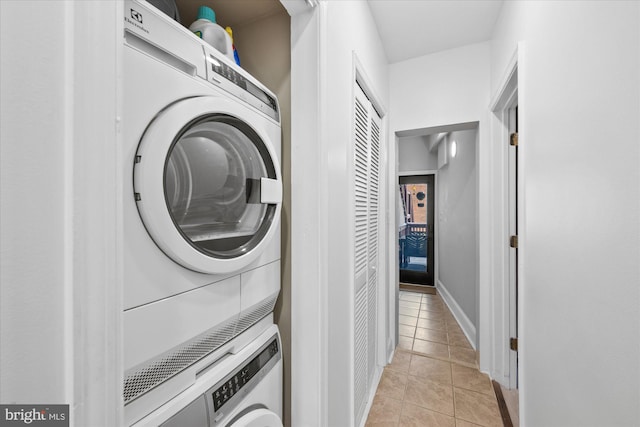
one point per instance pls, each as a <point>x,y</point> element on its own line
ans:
<point>367,127</point>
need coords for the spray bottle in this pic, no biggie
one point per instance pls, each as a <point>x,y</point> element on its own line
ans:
<point>236,57</point>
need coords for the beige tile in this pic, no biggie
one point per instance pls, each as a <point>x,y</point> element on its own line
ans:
<point>431,369</point>
<point>431,348</point>
<point>392,384</point>
<point>435,315</point>
<point>477,408</point>
<point>407,320</point>
<point>431,306</point>
<point>431,335</point>
<point>413,297</point>
<point>450,319</point>
<point>401,361</point>
<point>453,327</point>
<point>465,355</point>
<point>430,395</point>
<point>415,416</point>
<point>463,423</point>
<point>431,324</point>
<point>405,343</point>
<point>405,311</point>
<point>382,424</point>
<point>407,331</point>
<point>409,304</point>
<point>459,340</point>
<point>385,411</point>
<point>471,379</point>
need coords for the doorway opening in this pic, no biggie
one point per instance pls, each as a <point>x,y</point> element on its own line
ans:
<point>447,154</point>
<point>416,229</point>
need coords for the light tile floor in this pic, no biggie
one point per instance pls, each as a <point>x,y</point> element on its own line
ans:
<point>433,379</point>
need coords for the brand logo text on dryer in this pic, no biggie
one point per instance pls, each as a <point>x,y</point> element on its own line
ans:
<point>136,20</point>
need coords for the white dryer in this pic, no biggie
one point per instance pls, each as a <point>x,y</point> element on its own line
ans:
<point>242,390</point>
<point>201,205</point>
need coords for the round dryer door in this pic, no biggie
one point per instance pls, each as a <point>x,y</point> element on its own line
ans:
<point>258,418</point>
<point>207,184</point>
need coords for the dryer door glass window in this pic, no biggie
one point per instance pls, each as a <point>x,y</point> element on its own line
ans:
<point>212,186</point>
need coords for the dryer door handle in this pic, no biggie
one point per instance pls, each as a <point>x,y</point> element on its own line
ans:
<point>270,191</point>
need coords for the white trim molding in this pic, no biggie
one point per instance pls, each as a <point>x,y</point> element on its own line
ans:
<point>465,323</point>
<point>309,357</point>
<point>498,304</point>
<point>95,159</point>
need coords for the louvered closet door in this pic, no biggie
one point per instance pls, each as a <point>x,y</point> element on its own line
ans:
<point>372,244</point>
<point>366,164</point>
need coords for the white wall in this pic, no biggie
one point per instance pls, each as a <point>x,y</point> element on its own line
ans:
<point>443,88</point>
<point>457,227</point>
<point>60,288</point>
<point>579,101</point>
<point>33,213</point>
<point>323,44</point>
<point>414,154</point>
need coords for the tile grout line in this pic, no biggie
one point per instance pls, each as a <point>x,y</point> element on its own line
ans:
<point>431,305</point>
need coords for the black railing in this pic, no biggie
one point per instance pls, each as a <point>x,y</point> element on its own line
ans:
<point>413,242</point>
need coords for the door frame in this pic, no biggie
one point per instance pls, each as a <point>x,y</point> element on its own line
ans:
<point>433,173</point>
<point>512,198</point>
<point>506,307</point>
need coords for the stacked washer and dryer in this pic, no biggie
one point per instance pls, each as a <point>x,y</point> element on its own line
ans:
<point>202,199</point>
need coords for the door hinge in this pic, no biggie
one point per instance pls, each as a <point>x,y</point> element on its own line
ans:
<point>513,344</point>
<point>513,139</point>
<point>513,242</point>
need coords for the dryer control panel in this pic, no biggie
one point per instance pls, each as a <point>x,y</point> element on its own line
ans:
<point>236,81</point>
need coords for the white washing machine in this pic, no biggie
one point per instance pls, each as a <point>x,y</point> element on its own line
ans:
<point>201,206</point>
<point>242,390</point>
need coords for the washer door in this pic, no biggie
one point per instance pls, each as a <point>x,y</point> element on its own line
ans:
<point>258,418</point>
<point>207,184</point>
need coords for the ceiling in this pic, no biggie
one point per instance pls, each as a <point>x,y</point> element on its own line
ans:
<point>408,28</point>
<point>412,28</point>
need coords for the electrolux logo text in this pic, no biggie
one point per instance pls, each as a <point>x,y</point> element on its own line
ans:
<point>136,20</point>
<point>36,415</point>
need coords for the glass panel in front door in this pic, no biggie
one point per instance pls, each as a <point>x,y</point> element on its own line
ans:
<point>415,233</point>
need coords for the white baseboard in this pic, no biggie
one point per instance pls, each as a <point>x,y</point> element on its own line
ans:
<point>390,350</point>
<point>464,322</point>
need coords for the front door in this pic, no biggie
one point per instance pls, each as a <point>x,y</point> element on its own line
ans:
<point>416,230</point>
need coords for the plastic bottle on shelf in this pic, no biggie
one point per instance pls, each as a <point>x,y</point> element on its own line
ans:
<point>207,29</point>
<point>236,57</point>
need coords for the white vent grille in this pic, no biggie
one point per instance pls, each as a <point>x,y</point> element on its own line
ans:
<point>372,302</point>
<point>374,190</point>
<point>142,379</point>
<point>252,315</point>
<point>361,184</point>
<point>361,383</point>
<point>372,283</point>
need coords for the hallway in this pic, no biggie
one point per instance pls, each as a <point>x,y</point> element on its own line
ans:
<point>434,378</point>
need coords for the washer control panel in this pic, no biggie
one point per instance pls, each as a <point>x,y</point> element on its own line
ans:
<point>224,396</point>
